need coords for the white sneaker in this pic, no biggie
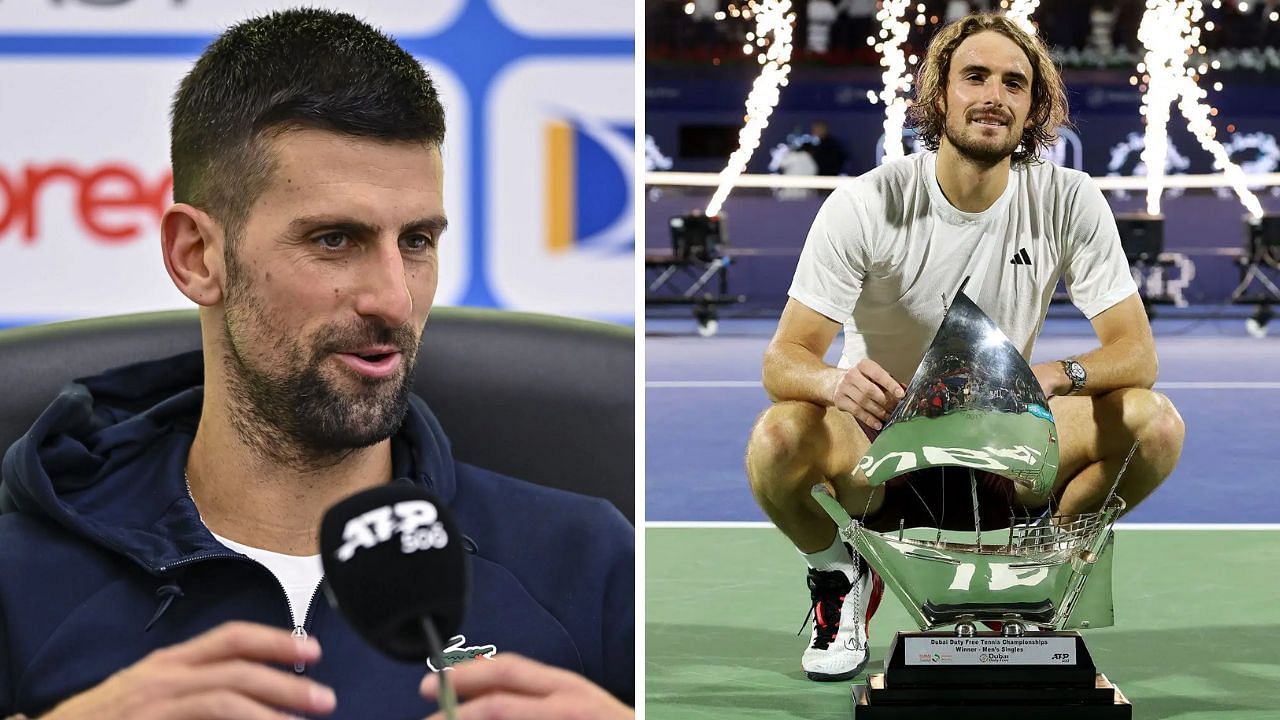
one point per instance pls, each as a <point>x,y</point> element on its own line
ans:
<point>842,613</point>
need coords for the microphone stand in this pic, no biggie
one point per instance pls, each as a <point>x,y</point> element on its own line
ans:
<point>435,650</point>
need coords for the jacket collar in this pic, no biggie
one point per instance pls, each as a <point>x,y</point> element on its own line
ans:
<point>106,461</point>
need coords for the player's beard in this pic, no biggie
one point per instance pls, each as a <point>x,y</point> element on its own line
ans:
<point>286,404</point>
<point>979,150</point>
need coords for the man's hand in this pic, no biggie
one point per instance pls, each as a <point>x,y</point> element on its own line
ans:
<point>511,687</point>
<point>1053,379</point>
<point>867,392</point>
<point>218,674</point>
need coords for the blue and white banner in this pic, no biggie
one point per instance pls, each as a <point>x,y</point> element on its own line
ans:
<point>538,183</point>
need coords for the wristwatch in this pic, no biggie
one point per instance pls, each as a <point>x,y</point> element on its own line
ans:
<point>1075,371</point>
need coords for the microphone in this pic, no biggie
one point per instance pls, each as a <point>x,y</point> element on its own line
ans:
<point>396,569</point>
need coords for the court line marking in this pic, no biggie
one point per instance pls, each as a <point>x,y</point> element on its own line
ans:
<point>1173,385</point>
<point>753,524</point>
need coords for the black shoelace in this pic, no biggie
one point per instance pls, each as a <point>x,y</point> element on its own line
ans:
<point>827,590</point>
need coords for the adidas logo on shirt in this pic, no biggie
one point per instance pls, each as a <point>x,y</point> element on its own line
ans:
<point>1021,257</point>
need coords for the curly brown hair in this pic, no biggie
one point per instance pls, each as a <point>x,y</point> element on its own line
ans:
<point>1048,95</point>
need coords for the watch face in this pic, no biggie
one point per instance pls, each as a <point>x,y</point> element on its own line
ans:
<point>1075,371</point>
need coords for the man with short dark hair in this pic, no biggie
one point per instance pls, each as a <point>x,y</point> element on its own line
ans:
<point>885,253</point>
<point>158,547</point>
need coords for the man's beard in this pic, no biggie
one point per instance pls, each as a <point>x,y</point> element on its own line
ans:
<point>983,153</point>
<point>295,414</point>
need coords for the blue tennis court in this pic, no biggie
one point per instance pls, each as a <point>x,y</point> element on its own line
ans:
<point>703,394</point>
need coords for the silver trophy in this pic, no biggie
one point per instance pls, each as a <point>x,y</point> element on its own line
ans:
<point>975,412</point>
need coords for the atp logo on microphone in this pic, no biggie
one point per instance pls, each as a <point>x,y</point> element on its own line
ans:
<point>417,522</point>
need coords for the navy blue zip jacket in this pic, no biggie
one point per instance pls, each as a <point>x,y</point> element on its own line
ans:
<point>103,557</point>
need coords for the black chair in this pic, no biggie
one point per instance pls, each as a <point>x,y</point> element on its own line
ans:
<point>546,399</point>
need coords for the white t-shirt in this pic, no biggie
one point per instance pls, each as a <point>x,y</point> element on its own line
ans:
<point>299,575</point>
<point>887,252</point>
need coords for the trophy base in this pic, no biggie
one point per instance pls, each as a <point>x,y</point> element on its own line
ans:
<point>932,675</point>
<point>873,701</point>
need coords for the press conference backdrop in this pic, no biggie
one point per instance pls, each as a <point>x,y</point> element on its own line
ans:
<point>539,98</point>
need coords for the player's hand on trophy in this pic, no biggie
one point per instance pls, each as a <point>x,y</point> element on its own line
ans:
<point>868,392</point>
<point>1053,380</point>
<point>222,673</point>
<point>511,687</point>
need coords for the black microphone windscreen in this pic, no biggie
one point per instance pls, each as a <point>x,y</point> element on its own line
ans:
<point>393,555</point>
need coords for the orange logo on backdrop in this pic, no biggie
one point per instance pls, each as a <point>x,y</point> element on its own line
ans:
<point>108,199</point>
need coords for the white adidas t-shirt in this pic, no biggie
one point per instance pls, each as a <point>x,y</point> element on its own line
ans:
<point>299,575</point>
<point>887,251</point>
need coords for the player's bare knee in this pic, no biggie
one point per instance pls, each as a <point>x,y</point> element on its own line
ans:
<point>1164,432</point>
<point>783,445</point>
<point>1153,419</point>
